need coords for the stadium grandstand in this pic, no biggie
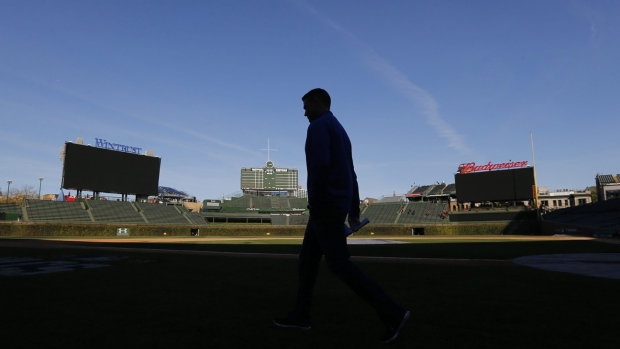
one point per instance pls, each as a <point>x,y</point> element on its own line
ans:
<point>427,204</point>
<point>272,196</point>
<point>600,218</point>
<point>434,205</point>
<point>100,211</point>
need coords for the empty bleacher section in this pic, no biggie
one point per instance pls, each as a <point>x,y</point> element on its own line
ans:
<point>260,203</point>
<point>289,219</point>
<point>237,204</point>
<point>394,209</point>
<point>238,217</point>
<point>10,212</point>
<point>114,212</point>
<point>277,210</point>
<point>195,217</point>
<point>54,211</point>
<point>157,213</point>
<point>279,202</point>
<point>298,219</point>
<point>102,211</point>
<point>406,213</point>
<point>602,215</point>
<point>191,214</point>
<point>424,213</point>
<point>10,208</point>
<point>299,203</point>
<point>383,213</point>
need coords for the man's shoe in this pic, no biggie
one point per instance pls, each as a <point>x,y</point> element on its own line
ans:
<point>394,331</point>
<point>289,322</point>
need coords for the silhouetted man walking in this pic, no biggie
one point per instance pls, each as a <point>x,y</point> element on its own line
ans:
<point>332,195</point>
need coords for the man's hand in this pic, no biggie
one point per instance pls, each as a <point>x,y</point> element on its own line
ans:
<point>354,225</point>
<point>354,222</point>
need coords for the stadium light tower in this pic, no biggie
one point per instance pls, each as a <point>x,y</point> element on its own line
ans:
<point>8,189</point>
<point>40,180</point>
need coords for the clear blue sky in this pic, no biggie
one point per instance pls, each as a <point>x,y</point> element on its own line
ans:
<point>421,86</point>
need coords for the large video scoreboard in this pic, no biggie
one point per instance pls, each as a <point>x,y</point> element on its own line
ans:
<point>110,171</point>
<point>496,185</point>
<point>269,178</point>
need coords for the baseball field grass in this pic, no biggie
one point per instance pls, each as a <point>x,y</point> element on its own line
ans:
<point>224,293</point>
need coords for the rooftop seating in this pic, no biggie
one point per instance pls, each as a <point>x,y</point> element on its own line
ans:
<point>423,190</point>
<point>437,190</point>
<point>449,189</point>
<point>606,179</point>
<point>393,198</point>
<point>170,191</point>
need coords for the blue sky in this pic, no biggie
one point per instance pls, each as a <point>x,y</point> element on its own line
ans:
<point>421,86</point>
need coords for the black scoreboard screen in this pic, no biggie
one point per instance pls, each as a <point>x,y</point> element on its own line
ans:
<point>109,171</point>
<point>500,185</point>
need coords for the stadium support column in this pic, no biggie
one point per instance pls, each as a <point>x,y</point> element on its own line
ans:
<point>535,186</point>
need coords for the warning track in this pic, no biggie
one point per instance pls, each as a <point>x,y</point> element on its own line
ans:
<point>107,244</point>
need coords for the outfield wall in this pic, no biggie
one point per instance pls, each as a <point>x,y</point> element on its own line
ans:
<point>25,229</point>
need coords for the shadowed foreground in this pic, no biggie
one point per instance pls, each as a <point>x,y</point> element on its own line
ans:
<point>176,296</point>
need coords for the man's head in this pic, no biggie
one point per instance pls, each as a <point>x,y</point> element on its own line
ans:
<point>316,102</point>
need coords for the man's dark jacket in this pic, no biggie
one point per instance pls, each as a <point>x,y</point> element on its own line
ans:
<point>332,182</point>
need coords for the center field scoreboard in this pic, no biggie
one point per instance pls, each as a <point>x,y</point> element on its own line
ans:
<point>269,178</point>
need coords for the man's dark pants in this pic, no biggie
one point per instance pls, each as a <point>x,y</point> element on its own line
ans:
<point>325,236</point>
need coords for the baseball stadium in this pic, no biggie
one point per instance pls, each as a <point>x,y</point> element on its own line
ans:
<point>480,262</point>
<point>492,199</point>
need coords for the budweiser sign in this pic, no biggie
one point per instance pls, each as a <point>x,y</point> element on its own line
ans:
<point>472,167</point>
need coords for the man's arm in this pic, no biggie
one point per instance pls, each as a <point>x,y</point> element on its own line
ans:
<point>354,211</point>
<point>318,157</point>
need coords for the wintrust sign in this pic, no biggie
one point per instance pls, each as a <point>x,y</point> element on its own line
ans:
<point>472,167</point>
<point>102,143</point>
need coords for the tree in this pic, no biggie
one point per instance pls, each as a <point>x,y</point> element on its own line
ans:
<point>593,193</point>
<point>18,195</point>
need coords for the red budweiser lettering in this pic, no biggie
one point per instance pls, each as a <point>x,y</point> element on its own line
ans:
<point>471,166</point>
